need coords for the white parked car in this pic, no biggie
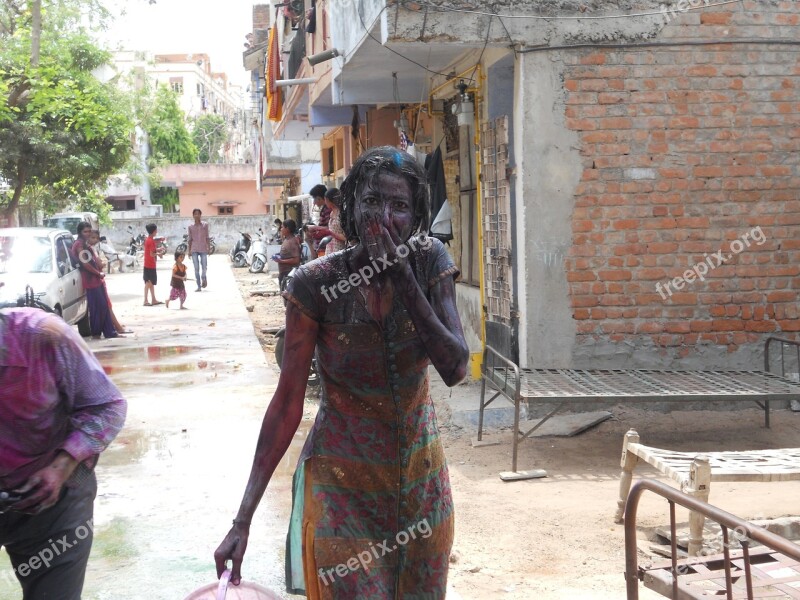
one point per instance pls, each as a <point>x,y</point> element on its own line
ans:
<point>40,258</point>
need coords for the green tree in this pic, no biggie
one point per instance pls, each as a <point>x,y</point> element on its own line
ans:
<point>170,141</point>
<point>62,131</point>
<point>210,134</point>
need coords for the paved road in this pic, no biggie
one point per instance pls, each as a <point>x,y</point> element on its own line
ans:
<point>197,385</point>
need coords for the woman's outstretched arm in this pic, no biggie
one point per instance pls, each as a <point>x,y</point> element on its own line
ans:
<point>280,423</point>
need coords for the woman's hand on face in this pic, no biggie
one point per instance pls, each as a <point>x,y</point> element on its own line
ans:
<point>382,244</point>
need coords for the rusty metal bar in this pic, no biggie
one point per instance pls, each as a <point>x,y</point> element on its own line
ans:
<point>674,547</point>
<point>724,518</point>
<point>727,561</point>
<point>748,575</point>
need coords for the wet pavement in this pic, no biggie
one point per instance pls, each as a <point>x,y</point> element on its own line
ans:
<point>197,386</point>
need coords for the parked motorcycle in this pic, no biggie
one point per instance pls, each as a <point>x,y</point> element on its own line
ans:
<point>184,245</point>
<point>161,245</point>
<point>136,244</point>
<point>30,299</point>
<point>248,251</point>
<point>238,254</point>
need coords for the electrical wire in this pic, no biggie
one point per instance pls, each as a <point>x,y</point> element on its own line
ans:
<point>437,8</point>
<point>418,121</point>
<point>376,40</point>
<point>480,56</point>
<point>420,65</point>
<point>661,44</point>
<point>510,37</point>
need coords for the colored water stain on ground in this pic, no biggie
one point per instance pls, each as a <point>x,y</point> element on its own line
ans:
<point>150,353</point>
<point>114,541</point>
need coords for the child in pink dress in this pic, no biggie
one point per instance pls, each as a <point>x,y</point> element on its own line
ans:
<point>178,281</point>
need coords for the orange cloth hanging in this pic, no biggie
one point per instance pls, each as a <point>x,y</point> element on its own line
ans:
<point>273,71</point>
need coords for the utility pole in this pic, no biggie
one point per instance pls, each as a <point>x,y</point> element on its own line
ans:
<point>36,31</point>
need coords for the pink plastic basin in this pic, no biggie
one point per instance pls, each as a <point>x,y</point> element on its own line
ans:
<point>223,591</point>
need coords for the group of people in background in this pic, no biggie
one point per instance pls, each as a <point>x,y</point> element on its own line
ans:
<point>197,248</point>
<point>325,237</point>
<point>329,201</point>
<point>88,252</point>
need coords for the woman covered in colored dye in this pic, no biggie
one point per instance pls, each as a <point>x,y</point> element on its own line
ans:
<point>372,512</point>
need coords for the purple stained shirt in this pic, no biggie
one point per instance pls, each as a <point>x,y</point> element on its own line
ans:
<point>54,395</point>
<point>198,237</point>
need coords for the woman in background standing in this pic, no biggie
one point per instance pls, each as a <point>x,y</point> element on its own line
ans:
<point>92,276</point>
<point>333,200</point>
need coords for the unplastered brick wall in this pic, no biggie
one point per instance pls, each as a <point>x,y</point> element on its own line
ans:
<point>688,151</point>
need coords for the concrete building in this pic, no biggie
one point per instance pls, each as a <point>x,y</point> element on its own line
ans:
<point>222,190</point>
<point>200,91</point>
<point>595,159</point>
<point>277,151</point>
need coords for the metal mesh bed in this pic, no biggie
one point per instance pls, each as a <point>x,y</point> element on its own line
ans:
<point>576,386</point>
<point>647,384</point>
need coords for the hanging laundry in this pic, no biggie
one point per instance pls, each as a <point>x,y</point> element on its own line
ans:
<point>273,73</point>
<point>441,212</point>
<point>311,18</point>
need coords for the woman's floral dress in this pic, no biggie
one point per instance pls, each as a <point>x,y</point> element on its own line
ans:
<point>372,512</point>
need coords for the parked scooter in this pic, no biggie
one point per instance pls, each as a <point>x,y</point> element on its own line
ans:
<point>257,254</point>
<point>238,254</point>
<point>248,251</point>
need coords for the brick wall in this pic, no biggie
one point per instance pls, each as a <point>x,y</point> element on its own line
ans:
<point>686,150</point>
<point>262,15</point>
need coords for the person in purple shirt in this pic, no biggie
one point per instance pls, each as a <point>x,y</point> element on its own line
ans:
<point>198,248</point>
<point>58,412</point>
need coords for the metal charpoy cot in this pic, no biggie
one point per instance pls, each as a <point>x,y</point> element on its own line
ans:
<point>739,571</point>
<point>563,387</point>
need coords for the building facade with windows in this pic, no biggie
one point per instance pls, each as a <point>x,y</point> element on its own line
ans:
<point>200,91</point>
<point>585,160</point>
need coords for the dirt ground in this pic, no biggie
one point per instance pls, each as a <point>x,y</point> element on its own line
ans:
<point>554,538</point>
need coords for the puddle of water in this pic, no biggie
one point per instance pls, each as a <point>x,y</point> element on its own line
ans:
<point>134,365</point>
<point>165,501</point>
<point>177,368</point>
<point>151,353</point>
